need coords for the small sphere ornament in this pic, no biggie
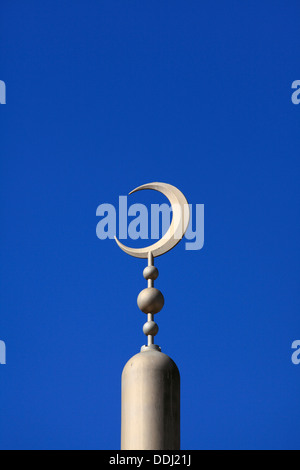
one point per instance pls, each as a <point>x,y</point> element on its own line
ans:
<point>150,300</point>
<point>150,328</point>
<point>150,272</point>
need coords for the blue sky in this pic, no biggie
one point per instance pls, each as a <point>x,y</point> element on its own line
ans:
<point>103,96</point>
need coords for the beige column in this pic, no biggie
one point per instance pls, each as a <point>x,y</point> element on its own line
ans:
<point>150,402</point>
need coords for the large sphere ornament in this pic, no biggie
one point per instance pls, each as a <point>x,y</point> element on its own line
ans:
<point>150,300</point>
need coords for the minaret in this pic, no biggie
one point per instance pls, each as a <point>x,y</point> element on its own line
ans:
<point>150,385</point>
<point>150,379</point>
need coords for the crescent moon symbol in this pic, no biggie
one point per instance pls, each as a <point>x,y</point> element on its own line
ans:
<point>177,229</point>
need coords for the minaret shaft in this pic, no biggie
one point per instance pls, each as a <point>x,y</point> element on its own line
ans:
<point>150,403</point>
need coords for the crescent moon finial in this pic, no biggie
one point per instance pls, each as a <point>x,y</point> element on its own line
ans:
<point>151,300</point>
<point>177,229</point>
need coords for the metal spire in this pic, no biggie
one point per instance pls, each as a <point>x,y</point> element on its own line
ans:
<point>151,379</point>
<point>150,301</point>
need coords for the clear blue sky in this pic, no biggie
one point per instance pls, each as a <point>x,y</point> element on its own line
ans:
<point>103,96</point>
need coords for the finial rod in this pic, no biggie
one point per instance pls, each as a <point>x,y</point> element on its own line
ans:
<point>150,264</point>
<point>150,337</point>
<point>150,284</point>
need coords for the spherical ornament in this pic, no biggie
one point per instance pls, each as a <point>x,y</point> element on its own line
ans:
<point>150,300</point>
<point>150,272</point>
<point>150,328</point>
